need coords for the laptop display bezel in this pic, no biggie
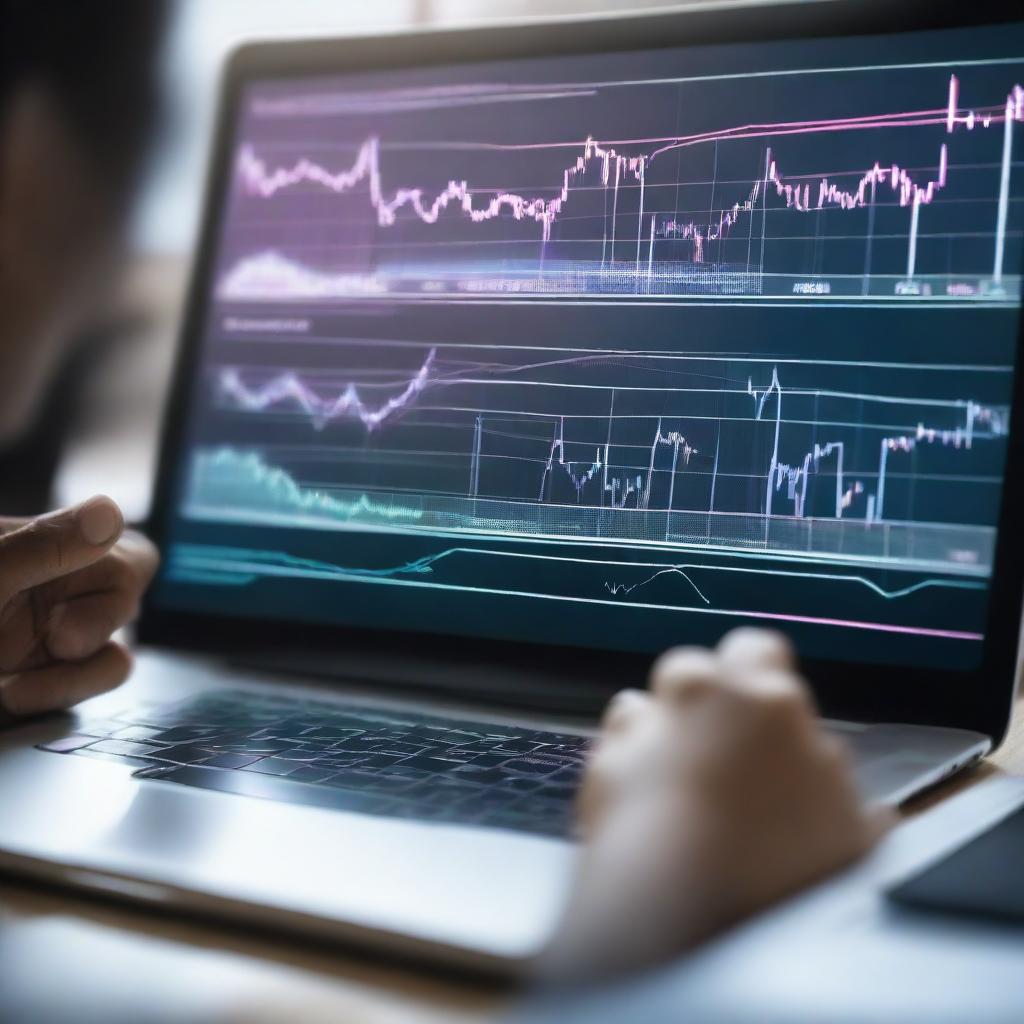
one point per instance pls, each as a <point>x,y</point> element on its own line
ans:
<point>980,699</point>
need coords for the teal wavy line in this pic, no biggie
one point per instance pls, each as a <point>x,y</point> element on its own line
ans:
<point>421,566</point>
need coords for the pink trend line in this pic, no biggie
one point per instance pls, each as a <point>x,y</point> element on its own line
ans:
<point>884,627</point>
<point>261,181</point>
<point>348,404</point>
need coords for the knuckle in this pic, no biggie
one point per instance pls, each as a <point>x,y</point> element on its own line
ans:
<point>46,538</point>
<point>779,708</point>
<point>622,708</point>
<point>685,672</point>
<point>122,574</point>
<point>140,556</point>
<point>749,634</point>
<point>751,644</point>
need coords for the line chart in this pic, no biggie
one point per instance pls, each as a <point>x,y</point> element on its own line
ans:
<point>238,564</point>
<point>580,351</point>
<point>646,248</point>
<point>658,463</point>
<point>227,566</point>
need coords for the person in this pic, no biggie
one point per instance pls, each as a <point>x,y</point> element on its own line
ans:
<point>709,796</point>
<point>78,93</point>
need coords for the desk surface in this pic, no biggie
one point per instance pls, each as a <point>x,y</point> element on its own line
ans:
<point>115,959</point>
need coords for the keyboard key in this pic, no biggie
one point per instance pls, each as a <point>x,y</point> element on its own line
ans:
<point>187,753</point>
<point>124,747</point>
<point>381,760</point>
<point>480,776</point>
<point>271,766</point>
<point>67,743</point>
<point>398,747</point>
<point>453,737</point>
<point>139,733</point>
<point>337,764</point>
<point>478,747</point>
<point>310,773</point>
<point>576,751</point>
<point>99,729</point>
<point>178,734</point>
<point>367,743</point>
<point>517,746</point>
<point>488,760</point>
<point>456,754</point>
<point>230,760</point>
<point>533,766</point>
<point>431,764</point>
<point>300,755</point>
<point>353,780</point>
<point>330,732</point>
<point>255,746</point>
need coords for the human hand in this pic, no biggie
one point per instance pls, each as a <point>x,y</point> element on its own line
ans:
<point>68,581</point>
<point>707,798</point>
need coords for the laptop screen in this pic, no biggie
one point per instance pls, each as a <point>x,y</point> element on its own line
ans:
<point>617,350</point>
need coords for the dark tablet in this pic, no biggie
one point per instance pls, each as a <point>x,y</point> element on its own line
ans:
<point>984,878</point>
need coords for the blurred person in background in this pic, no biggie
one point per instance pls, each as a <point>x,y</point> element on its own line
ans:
<point>708,797</point>
<point>78,100</point>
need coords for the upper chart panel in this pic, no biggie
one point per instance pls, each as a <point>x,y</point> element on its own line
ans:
<point>657,176</point>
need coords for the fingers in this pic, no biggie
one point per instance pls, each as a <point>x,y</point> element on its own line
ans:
<point>60,686</point>
<point>762,663</point>
<point>623,709</point>
<point>685,672</point>
<point>746,648</point>
<point>57,544</point>
<point>128,565</point>
<point>101,599</point>
<point>754,665</point>
<point>80,627</point>
<point>689,671</point>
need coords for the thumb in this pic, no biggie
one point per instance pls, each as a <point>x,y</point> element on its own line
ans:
<point>57,544</point>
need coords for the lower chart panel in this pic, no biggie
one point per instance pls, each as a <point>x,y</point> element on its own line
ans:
<point>561,591</point>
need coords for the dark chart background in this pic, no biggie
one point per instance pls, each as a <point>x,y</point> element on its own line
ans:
<point>618,351</point>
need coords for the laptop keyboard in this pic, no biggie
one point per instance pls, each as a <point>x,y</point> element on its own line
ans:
<point>348,757</point>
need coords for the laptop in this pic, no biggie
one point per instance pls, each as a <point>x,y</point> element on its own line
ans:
<point>515,355</point>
